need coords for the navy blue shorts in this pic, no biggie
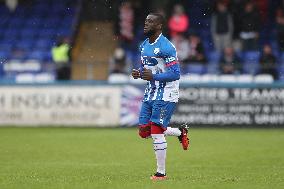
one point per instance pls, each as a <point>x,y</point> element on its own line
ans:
<point>157,111</point>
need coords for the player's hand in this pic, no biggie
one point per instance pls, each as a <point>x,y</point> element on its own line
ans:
<point>135,74</point>
<point>147,74</point>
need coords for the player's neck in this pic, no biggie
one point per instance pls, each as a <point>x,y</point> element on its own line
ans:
<point>153,37</point>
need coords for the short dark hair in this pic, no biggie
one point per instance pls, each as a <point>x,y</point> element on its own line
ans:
<point>160,17</point>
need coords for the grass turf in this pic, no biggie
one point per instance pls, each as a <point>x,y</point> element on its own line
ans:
<point>83,158</point>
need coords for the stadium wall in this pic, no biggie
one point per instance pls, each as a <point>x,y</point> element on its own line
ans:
<point>104,105</point>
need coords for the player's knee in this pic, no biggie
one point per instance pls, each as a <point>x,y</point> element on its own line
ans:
<point>156,129</point>
<point>145,131</point>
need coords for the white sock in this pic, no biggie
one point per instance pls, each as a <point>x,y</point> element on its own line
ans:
<point>172,131</point>
<point>160,148</point>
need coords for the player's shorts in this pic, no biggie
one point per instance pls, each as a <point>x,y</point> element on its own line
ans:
<point>157,111</point>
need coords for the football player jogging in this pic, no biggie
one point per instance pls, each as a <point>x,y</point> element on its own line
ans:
<point>160,67</point>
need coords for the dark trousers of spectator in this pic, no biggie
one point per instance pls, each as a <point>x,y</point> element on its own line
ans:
<point>63,72</point>
<point>281,42</point>
<point>250,44</point>
<point>270,71</point>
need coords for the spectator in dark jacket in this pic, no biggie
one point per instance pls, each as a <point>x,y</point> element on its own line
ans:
<point>250,25</point>
<point>222,26</point>
<point>196,51</point>
<point>268,62</point>
<point>280,28</point>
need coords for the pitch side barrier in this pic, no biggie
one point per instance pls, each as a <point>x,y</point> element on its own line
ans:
<point>99,104</point>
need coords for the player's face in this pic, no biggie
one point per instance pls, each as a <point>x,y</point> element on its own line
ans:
<point>151,25</point>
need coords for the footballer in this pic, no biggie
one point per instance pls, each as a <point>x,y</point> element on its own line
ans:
<point>160,67</point>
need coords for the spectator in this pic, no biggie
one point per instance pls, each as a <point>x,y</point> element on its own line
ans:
<point>230,62</point>
<point>235,7</point>
<point>268,62</point>
<point>280,28</point>
<point>125,24</point>
<point>222,27</point>
<point>250,25</point>
<point>178,22</point>
<point>182,47</point>
<point>196,50</point>
<point>11,5</point>
<point>119,62</point>
<point>61,57</point>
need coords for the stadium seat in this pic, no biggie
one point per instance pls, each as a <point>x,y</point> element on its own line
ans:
<point>137,81</point>
<point>25,78</point>
<point>209,78</point>
<point>29,33</point>
<point>44,78</point>
<point>190,78</point>
<point>38,55</point>
<point>245,78</point>
<point>195,68</point>
<point>214,57</point>
<point>4,55</point>
<point>263,78</point>
<point>228,78</point>
<point>282,58</point>
<point>117,78</point>
<point>25,44</point>
<point>251,62</point>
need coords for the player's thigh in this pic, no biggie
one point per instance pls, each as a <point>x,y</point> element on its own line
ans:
<point>145,113</point>
<point>162,112</point>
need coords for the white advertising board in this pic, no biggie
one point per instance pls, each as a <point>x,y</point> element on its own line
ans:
<point>60,105</point>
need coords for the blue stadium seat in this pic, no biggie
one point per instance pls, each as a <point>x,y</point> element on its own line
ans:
<point>34,22</point>
<point>51,22</point>
<point>25,44</point>
<point>282,58</point>
<point>12,32</point>
<point>251,62</point>
<point>4,55</point>
<point>43,44</point>
<point>214,57</point>
<point>213,62</point>
<point>281,72</point>
<point>196,68</point>
<point>64,32</point>
<point>38,55</point>
<point>5,46</point>
<point>29,33</point>
<point>16,22</point>
<point>47,33</point>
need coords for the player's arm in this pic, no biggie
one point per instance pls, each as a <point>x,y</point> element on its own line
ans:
<point>172,74</point>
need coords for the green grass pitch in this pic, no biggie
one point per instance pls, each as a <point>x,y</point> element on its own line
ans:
<point>88,158</point>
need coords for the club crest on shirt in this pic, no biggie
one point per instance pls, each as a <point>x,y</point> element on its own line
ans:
<point>156,50</point>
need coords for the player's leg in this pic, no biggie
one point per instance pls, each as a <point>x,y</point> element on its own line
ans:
<point>161,114</point>
<point>160,148</point>
<point>180,132</point>
<point>144,120</point>
<point>171,131</point>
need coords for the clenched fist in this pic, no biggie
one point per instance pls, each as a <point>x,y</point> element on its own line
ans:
<point>135,74</point>
<point>147,74</point>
